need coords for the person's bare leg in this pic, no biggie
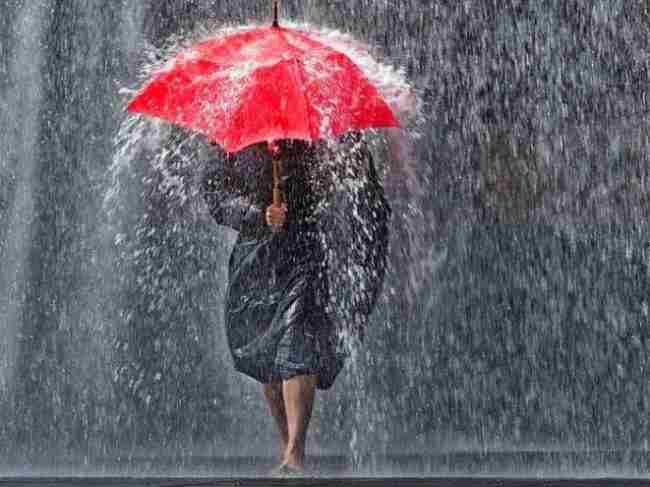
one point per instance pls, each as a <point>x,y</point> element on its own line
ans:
<point>298,395</point>
<point>275,400</point>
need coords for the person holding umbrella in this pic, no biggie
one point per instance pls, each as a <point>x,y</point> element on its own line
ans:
<point>278,88</point>
<point>278,329</point>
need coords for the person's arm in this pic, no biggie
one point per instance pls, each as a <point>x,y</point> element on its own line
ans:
<point>229,207</point>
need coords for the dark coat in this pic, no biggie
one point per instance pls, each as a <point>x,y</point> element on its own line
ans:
<point>276,316</point>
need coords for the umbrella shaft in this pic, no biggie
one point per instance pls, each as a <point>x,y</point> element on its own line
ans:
<point>277,196</point>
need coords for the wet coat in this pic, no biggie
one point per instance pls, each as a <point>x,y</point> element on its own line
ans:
<point>276,318</point>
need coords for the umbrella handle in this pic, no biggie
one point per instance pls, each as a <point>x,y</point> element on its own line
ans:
<point>277,196</point>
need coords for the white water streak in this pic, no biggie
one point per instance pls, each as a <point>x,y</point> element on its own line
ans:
<point>20,132</point>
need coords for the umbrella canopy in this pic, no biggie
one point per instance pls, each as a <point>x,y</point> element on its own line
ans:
<point>261,85</point>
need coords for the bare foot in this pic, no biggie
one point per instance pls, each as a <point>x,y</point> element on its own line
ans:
<point>295,460</point>
<point>287,470</point>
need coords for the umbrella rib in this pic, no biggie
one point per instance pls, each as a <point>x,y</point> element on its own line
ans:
<point>317,44</point>
<point>299,68</point>
<point>296,61</point>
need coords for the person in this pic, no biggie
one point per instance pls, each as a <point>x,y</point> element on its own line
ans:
<point>277,327</point>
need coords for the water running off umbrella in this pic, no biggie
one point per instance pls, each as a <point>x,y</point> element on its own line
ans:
<point>165,158</point>
<point>393,148</point>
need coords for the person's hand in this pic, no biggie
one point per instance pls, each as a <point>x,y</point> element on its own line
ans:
<point>276,216</point>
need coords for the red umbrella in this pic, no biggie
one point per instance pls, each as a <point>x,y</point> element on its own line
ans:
<point>262,85</point>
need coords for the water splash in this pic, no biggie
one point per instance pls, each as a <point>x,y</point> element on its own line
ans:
<point>19,136</point>
<point>173,158</point>
<point>528,331</point>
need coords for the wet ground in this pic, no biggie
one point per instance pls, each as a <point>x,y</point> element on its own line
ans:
<point>459,469</point>
<point>366,482</point>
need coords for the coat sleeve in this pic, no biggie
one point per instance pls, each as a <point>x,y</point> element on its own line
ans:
<point>227,205</point>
